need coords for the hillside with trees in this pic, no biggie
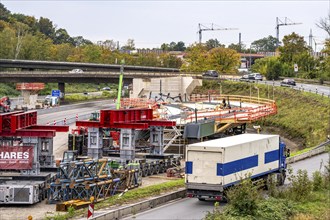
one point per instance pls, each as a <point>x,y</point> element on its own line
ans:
<point>28,38</point>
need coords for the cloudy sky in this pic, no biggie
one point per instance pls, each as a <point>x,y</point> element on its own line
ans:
<point>151,23</point>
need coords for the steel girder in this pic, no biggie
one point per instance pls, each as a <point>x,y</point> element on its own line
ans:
<point>24,124</point>
<point>83,179</point>
<point>126,118</point>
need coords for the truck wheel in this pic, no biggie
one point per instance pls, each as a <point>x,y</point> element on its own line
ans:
<point>281,178</point>
<point>156,170</point>
<point>151,170</point>
<point>145,171</point>
<point>161,168</point>
<point>201,199</point>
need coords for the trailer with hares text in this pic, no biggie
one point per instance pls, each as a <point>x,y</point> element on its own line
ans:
<point>213,166</point>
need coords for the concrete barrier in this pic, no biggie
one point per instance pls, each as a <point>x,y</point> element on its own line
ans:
<point>317,150</point>
<point>141,206</point>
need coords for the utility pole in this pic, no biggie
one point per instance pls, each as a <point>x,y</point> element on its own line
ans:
<point>202,27</point>
<point>279,23</point>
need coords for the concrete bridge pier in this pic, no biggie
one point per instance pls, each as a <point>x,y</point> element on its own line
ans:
<point>61,87</point>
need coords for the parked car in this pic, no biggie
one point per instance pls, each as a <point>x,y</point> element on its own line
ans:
<point>288,82</point>
<point>211,73</point>
<point>76,71</point>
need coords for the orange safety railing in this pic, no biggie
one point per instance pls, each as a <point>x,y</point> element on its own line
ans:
<point>255,109</point>
<point>260,108</point>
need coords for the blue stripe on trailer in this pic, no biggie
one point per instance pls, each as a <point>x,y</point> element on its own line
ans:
<point>272,156</point>
<point>237,165</point>
<point>252,177</point>
<point>189,167</point>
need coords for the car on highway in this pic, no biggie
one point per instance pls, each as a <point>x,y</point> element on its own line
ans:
<point>255,76</point>
<point>245,77</point>
<point>106,88</point>
<point>211,73</point>
<point>288,82</point>
<point>76,71</point>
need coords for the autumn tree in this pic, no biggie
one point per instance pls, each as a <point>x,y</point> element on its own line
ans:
<point>196,59</point>
<point>224,60</point>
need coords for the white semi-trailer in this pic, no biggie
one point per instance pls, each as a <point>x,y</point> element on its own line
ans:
<point>213,166</point>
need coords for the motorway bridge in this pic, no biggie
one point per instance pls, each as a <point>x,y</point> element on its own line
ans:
<point>58,72</point>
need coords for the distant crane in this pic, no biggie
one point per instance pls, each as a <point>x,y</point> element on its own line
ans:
<point>202,27</point>
<point>279,23</point>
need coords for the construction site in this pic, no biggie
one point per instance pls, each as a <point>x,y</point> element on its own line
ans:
<point>114,149</point>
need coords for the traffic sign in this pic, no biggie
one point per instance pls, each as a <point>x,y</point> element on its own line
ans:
<point>295,66</point>
<point>56,93</point>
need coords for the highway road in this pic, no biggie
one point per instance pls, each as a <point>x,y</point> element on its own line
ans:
<point>319,89</point>
<point>190,208</point>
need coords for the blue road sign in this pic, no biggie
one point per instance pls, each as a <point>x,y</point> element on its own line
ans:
<point>56,93</point>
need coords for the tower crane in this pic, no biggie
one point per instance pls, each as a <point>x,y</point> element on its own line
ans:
<point>202,27</point>
<point>279,23</point>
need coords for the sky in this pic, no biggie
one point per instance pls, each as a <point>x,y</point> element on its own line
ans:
<point>152,23</point>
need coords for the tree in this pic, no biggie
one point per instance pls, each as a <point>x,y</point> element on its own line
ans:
<point>21,31</point>
<point>165,47</point>
<point>80,41</point>
<point>293,45</point>
<point>46,27</point>
<point>224,60</point>
<point>61,37</point>
<point>4,13</point>
<point>324,24</point>
<point>239,48</point>
<point>8,43</point>
<point>196,59</point>
<point>213,43</point>
<point>266,44</point>
<point>179,46</point>
<point>130,45</point>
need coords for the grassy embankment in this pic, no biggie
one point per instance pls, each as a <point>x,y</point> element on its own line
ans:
<point>302,117</point>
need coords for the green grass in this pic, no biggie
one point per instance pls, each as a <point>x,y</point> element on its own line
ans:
<point>317,205</point>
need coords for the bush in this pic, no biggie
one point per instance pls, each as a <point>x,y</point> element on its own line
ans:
<point>275,209</point>
<point>317,181</point>
<point>301,187</point>
<point>243,198</point>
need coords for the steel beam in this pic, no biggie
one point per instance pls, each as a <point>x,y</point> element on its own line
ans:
<point>29,133</point>
<point>63,128</point>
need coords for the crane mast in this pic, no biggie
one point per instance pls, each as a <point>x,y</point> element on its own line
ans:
<point>202,27</point>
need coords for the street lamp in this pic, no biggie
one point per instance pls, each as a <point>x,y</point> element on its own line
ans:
<point>258,92</point>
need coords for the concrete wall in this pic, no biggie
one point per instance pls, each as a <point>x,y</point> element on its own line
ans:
<point>172,85</point>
